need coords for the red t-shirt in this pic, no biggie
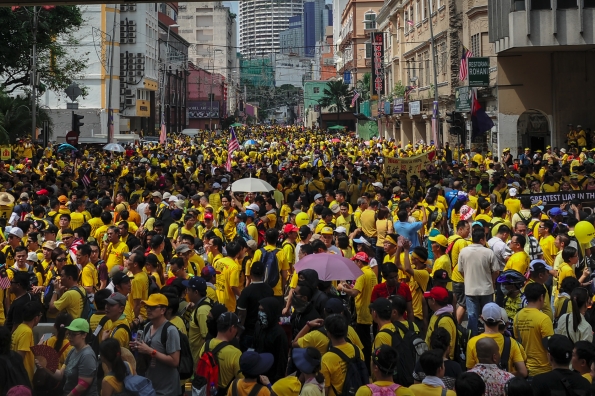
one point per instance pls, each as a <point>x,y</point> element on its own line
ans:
<point>381,290</point>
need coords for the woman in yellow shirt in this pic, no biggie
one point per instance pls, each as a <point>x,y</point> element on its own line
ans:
<point>114,367</point>
<point>59,341</point>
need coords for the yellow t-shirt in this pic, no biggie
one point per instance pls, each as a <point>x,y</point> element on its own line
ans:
<point>94,321</point>
<point>89,277</point>
<point>384,338</point>
<point>139,290</point>
<point>22,341</point>
<point>231,276</point>
<point>71,302</point>
<point>548,245</point>
<point>443,263</point>
<point>559,305</point>
<point>282,262</point>
<point>515,350</point>
<point>252,231</point>
<point>364,283</point>
<point>317,339</point>
<point>334,368</point>
<point>564,272</point>
<point>229,362</point>
<point>121,335</point>
<point>519,261</point>
<point>115,255</point>
<point>459,244</point>
<point>449,325</point>
<point>429,390</point>
<point>531,326</point>
<point>195,261</point>
<point>368,221</point>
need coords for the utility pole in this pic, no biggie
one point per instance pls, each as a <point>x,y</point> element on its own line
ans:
<point>34,74</point>
<point>435,116</point>
<point>110,111</point>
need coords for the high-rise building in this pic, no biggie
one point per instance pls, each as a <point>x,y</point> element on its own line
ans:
<point>317,16</point>
<point>261,22</point>
<point>292,39</point>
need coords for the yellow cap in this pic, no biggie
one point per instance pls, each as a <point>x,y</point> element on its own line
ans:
<point>440,240</point>
<point>156,300</point>
<point>326,231</point>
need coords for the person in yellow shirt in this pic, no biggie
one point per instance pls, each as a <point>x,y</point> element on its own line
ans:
<point>531,326</point>
<point>384,360</point>
<point>442,261</point>
<point>547,242</point>
<point>89,275</point>
<point>432,364</point>
<point>519,260</point>
<point>228,282</point>
<point>22,337</point>
<point>362,292</point>
<point>140,283</point>
<point>271,237</point>
<point>513,204</point>
<point>333,363</point>
<point>113,248</point>
<point>117,326</point>
<point>439,300</point>
<point>72,296</point>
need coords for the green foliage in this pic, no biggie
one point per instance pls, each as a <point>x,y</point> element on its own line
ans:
<point>337,97</point>
<point>57,62</point>
<point>363,86</point>
<point>15,118</point>
<point>398,90</point>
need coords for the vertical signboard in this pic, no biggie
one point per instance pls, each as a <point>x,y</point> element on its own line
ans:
<point>377,57</point>
<point>398,106</point>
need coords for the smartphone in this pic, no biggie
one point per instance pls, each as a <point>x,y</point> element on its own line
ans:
<point>139,335</point>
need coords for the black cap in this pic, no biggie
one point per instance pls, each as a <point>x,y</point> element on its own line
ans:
<point>257,268</point>
<point>334,306</point>
<point>119,278</point>
<point>382,305</point>
<point>441,275</point>
<point>229,319</point>
<point>560,347</point>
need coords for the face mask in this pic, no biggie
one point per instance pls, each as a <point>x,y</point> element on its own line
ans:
<point>299,305</point>
<point>262,317</point>
<point>505,291</point>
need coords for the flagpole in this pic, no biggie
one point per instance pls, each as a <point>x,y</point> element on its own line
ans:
<point>435,105</point>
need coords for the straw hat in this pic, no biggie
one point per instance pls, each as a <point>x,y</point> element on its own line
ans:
<point>6,198</point>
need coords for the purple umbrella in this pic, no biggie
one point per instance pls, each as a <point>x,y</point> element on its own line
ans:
<point>330,266</point>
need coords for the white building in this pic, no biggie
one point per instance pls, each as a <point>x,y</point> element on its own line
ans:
<point>211,30</point>
<point>130,73</point>
<point>261,21</point>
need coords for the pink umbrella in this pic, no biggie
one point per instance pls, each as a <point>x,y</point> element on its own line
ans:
<point>330,266</point>
<point>335,140</point>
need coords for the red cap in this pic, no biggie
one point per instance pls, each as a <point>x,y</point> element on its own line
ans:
<point>290,228</point>
<point>362,257</point>
<point>209,216</point>
<point>43,192</point>
<point>437,293</point>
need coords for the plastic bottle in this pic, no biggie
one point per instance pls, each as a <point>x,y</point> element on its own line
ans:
<point>213,389</point>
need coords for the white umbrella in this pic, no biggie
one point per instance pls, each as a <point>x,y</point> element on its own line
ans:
<point>251,184</point>
<point>115,147</point>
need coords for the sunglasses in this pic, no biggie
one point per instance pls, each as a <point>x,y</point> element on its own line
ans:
<point>61,259</point>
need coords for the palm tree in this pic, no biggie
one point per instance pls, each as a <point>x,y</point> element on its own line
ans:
<point>363,86</point>
<point>15,118</point>
<point>336,97</point>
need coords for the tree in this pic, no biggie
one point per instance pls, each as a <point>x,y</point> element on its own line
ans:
<point>336,97</point>
<point>15,117</point>
<point>58,63</point>
<point>363,86</point>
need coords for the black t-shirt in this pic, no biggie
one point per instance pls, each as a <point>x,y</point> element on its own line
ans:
<point>15,313</point>
<point>551,384</point>
<point>249,300</point>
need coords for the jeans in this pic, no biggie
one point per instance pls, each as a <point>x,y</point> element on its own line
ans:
<point>474,307</point>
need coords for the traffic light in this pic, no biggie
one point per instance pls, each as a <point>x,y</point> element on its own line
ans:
<point>455,119</point>
<point>76,123</point>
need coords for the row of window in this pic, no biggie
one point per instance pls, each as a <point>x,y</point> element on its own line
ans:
<point>417,11</point>
<point>547,5</point>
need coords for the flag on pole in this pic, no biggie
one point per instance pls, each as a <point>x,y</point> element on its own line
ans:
<point>480,121</point>
<point>410,22</point>
<point>86,180</point>
<point>355,98</point>
<point>232,145</point>
<point>162,135</point>
<point>463,67</point>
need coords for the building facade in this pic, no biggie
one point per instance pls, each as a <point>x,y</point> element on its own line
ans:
<point>292,39</point>
<point>261,22</point>
<point>206,98</point>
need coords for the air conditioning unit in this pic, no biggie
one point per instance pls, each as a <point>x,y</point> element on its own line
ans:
<point>141,60</point>
<point>132,28</point>
<point>123,73</point>
<point>122,100</point>
<point>129,92</point>
<point>140,55</point>
<point>131,66</point>
<point>131,35</point>
<point>131,40</point>
<point>124,8</point>
<point>130,54</point>
<point>132,8</point>
<point>123,84</point>
<point>139,66</point>
<point>131,80</point>
<point>122,91</point>
<point>139,72</point>
<point>131,23</point>
<point>122,28</point>
<point>130,102</point>
<point>123,35</point>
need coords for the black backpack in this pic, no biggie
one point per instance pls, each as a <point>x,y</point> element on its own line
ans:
<point>122,326</point>
<point>186,365</point>
<point>86,312</point>
<point>525,220</point>
<point>356,374</point>
<point>94,338</point>
<point>33,281</point>
<point>410,348</point>
<point>271,266</point>
<point>461,339</point>
<point>153,286</point>
<point>505,355</point>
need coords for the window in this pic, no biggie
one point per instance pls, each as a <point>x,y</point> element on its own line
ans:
<point>417,11</point>
<point>427,67</point>
<point>368,50</point>
<point>476,44</point>
<point>316,90</point>
<point>370,20</point>
<point>541,5</point>
<point>442,58</point>
<point>589,3</point>
<point>567,4</point>
<point>424,10</point>
<point>420,67</point>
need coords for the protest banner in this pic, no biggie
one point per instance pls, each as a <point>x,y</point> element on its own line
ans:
<point>412,165</point>
<point>551,200</point>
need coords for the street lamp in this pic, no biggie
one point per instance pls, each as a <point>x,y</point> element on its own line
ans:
<point>165,69</point>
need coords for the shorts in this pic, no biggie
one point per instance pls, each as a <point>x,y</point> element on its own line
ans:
<point>458,288</point>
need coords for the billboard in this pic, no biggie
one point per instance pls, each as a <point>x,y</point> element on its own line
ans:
<point>203,109</point>
<point>377,69</point>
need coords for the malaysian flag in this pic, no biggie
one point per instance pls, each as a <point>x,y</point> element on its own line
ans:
<point>463,67</point>
<point>4,279</point>
<point>232,145</point>
<point>162,135</point>
<point>86,179</point>
<point>410,22</point>
<point>355,98</point>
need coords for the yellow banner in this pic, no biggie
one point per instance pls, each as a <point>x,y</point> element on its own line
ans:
<point>5,153</point>
<point>413,165</point>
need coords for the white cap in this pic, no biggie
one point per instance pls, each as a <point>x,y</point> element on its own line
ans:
<point>173,198</point>
<point>216,185</point>
<point>491,312</point>
<point>32,256</point>
<point>512,192</point>
<point>16,232</point>
<point>253,207</point>
<point>341,230</point>
<point>377,184</point>
<point>166,195</point>
<point>224,180</point>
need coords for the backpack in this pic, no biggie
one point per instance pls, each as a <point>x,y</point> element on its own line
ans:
<point>205,301</point>
<point>121,326</point>
<point>153,287</point>
<point>207,369</point>
<point>137,385</point>
<point>260,227</point>
<point>186,364</point>
<point>410,348</point>
<point>451,245</point>
<point>563,310</point>
<point>492,225</point>
<point>255,389</point>
<point>356,374</point>
<point>461,339</point>
<point>524,220</point>
<point>94,339</point>
<point>390,390</point>
<point>86,312</point>
<point>33,281</point>
<point>271,266</point>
